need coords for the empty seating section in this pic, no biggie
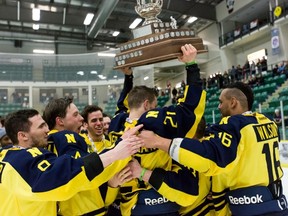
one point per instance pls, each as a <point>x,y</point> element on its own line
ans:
<point>162,100</point>
<point>275,102</point>
<point>72,72</point>
<point>212,102</point>
<point>7,108</point>
<point>81,106</point>
<point>111,107</point>
<point>16,72</point>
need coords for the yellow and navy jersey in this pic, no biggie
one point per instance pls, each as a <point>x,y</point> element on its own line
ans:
<point>99,146</point>
<point>193,185</point>
<point>70,143</point>
<point>92,202</point>
<point>33,179</point>
<point>242,155</point>
<point>171,180</point>
<point>177,121</point>
<point>67,142</point>
<point>181,121</point>
<point>131,191</point>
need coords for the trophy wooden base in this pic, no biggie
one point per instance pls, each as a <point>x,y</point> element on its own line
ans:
<point>156,52</point>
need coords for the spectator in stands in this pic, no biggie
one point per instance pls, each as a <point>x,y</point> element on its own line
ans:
<point>4,139</point>
<point>226,79</point>
<point>246,70</point>
<point>282,68</point>
<point>233,73</point>
<point>239,72</point>
<point>264,63</point>
<point>168,88</point>
<point>259,66</point>
<point>275,70</point>
<point>252,68</point>
<point>277,117</point>
<point>106,123</point>
<point>174,95</point>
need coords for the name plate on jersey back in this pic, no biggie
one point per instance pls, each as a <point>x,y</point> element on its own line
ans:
<point>155,41</point>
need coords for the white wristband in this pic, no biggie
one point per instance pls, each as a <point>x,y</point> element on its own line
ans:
<point>174,148</point>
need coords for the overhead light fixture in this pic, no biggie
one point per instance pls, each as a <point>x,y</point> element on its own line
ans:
<point>40,51</point>
<point>192,19</point>
<point>135,23</point>
<point>107,54</point>
<point>35,26</point>
<point>36,14</point>
<point>101,76</point>
<point>115,33</point>
<point>93,72</point>
<point>53,9</point>
<point>146,77</point>
<point>88,19</point>
<point>81,73</point>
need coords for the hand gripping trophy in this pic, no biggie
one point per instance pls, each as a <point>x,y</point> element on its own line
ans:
<point>155,41</point>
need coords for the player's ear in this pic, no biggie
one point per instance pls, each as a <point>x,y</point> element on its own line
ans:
<point>146,105</point>
<point>233,102</point>
<point>59,121</point>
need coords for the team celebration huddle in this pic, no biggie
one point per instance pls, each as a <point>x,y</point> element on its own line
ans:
<point>148,160</point>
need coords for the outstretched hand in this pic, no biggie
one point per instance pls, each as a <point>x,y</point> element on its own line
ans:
<point>189,53</point>
<point>127,147</point>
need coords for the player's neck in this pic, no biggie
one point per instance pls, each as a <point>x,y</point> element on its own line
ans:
<point>134,115</point>
<point>96,138</point>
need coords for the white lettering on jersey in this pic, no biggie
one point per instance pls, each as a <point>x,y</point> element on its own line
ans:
<point>246,200</point>
<point>158,201</point>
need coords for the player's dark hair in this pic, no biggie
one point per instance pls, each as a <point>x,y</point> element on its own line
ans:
<point>89,109</point>
<point>19,121</point>
<point>56,108</point>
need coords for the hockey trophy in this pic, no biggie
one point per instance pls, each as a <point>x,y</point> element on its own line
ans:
<point>155,41</point>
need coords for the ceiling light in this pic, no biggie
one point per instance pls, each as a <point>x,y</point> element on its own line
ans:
<point>53,9</point>
<point>107,54</point>
<point>36,14</point>
<point>192,19</point>
<point>39,51</point>
<point>101,76</point>
<point>115,76</point>
<point>81,73</point>
<point>115,33</point>
<point>93,72</point>
<point>35,26</point>
<point>135,23</point>
<point>88,18</point>
<point>146,78</point>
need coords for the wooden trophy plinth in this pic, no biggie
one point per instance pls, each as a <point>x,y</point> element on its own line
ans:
<point>154,45</point>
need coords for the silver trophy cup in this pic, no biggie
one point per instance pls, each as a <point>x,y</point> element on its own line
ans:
<point>149,10</point>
